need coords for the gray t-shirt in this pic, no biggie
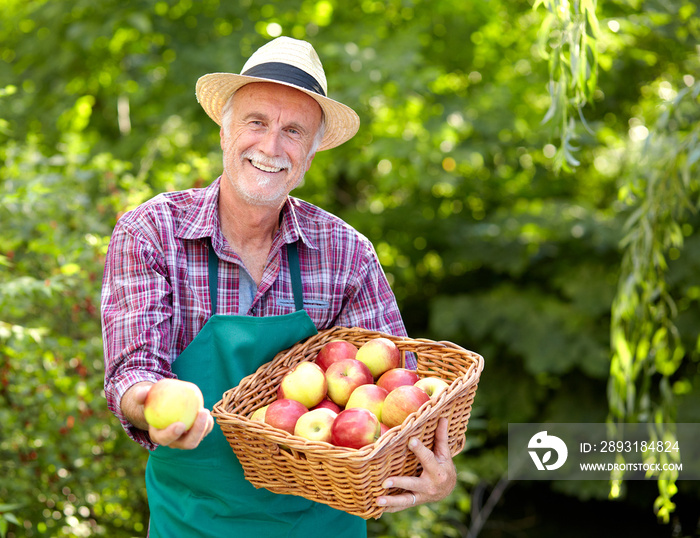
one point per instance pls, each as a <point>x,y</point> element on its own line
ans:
<point>246,291</point>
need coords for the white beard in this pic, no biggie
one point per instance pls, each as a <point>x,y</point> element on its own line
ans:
<point>265,194</point>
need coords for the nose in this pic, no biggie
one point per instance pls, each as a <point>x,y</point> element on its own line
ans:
<point>270,143</point>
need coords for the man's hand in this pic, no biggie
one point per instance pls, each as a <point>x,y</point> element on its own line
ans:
<point>175,435</point>
<point>436,482</point>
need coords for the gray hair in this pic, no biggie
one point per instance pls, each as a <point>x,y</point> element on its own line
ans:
<point>227,110</point>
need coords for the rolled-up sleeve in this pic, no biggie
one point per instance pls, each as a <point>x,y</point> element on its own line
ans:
<point>136,313</point>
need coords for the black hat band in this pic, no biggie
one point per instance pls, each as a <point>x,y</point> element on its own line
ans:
<point>290,74</point>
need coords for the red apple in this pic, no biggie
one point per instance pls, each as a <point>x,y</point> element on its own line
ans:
<point>316,424</point>
<point>333,351</point>
<point>433,386</point>
<point>305,383</point>
<point>384,428</point>
<point>380,355</point>
<point>370,397</point>
<point>283,414</point>
<point>401,402</point>
<point>344,376</point>
<point>329,404</point>
<point>396,377</point>
<point>172,400</point>
<point>355,428</point>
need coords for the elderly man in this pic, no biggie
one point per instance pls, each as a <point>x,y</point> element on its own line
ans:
<point>208,284</point>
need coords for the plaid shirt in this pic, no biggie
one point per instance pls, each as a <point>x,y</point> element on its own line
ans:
<point>155,295</point>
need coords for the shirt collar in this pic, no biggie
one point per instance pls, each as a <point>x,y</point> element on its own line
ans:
<point>292,227</point>
<point>202,218</point>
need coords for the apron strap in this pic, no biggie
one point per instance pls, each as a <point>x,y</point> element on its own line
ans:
<point>213,264</point>
<point>295,273</point>
<point>294,270</point>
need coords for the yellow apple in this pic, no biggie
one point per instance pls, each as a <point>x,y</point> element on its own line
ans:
<point>305,383</point>
<point>172,400</point>
<point>259,414</point>
<point>316,424</point>
<point>380,355</point>
<point>433,386</point>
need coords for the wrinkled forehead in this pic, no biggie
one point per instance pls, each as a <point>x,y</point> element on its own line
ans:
<point>277,96</point>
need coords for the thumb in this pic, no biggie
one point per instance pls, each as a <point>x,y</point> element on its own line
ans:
<point>442,445</point>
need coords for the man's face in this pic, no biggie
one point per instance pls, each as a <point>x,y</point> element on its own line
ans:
<point>267,141</point>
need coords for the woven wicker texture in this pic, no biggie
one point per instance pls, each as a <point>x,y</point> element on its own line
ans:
<point>345,478</point>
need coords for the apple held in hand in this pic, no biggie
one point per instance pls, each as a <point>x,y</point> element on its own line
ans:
<point>305,383</point>
<point>283,414</point>
<point>172,400</point>
<point>397,377</point>
<point>334,351</point>
<point>316,424</point>
<point>370,397</point>
<point>401,402</point>
<point>433,386</point>
<point>355,428</point>
<point>345,376</point>
<point>380,355</point>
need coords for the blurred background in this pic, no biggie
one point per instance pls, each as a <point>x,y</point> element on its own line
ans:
<point>528,173</point>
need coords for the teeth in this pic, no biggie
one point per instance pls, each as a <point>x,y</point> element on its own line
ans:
<point>264,168</point>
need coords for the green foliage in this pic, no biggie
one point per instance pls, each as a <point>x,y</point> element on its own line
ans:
<point>568,40</point>
<point>541,259</point>
<point>664,199</point>
<point>7,517</point>
<point>648,347</point>
<point>62,454</point>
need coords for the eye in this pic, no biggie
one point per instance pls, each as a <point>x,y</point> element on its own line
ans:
<point>255,122</point>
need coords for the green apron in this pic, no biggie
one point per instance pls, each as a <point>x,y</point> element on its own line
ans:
<point>202,492</point>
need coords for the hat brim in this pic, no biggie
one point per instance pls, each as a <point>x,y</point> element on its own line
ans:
<point>214,90</point>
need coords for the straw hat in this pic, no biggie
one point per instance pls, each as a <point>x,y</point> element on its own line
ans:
<point>290,62</point>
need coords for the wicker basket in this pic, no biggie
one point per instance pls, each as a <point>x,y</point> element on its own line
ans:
<point>345,478</point>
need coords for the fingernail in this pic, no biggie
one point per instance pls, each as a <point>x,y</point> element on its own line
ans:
<point>381,501</point>
<point>413,443</point>
<point>179,429</point>
<point>388,484</point>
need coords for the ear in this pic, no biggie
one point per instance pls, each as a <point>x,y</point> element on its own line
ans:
<point>221,138</point>
<point>309,159</point>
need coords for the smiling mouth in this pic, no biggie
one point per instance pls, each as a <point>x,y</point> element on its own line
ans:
<point>264,168</point>
<point>265,163</point>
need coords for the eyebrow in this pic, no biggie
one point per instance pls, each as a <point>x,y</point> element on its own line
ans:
<point>293,125</point>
